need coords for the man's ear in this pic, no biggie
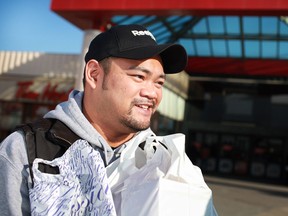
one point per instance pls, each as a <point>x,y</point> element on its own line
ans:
<point>92,73</point>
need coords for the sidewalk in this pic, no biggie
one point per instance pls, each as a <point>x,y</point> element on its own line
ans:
<point>242,198</point>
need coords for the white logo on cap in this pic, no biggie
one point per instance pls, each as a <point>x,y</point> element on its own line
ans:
<point>141,33</point>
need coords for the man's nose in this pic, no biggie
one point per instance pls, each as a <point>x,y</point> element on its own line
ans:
<point>149,91</point>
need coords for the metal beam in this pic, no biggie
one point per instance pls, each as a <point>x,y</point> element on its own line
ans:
<point>235,67</point>
<point>87,14</point>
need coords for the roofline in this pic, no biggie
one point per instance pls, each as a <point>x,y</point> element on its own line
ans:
<point>87,14</point>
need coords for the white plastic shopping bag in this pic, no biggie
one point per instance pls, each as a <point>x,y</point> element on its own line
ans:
<point>167,183</point>
<point>81,188</point>
<point>166,197</point>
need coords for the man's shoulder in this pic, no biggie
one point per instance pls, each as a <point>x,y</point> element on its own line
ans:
<point>47,136</point>
<point>50,129</point>
<point>12,142</point>
<point>13,150</point>
<point>46,139</point>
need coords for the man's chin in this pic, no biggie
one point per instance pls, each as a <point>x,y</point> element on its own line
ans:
<point>138,126</point>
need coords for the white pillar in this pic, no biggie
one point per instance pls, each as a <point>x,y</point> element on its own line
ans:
<point>88,36</point>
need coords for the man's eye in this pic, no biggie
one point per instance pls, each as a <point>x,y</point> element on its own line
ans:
<point>160,83</point>
<point>139,76</point>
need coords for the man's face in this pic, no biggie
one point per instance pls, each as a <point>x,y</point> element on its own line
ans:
<point>130,93</point>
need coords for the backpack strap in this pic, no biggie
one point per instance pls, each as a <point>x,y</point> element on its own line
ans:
<point>47,139</point>
<point>30,146</point>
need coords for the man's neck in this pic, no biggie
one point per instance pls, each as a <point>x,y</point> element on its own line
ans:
<point>114,139</point>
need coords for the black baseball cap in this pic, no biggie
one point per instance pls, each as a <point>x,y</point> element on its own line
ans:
<point>136,42</point>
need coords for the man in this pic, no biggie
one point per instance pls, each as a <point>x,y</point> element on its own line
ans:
<point>123,79</point>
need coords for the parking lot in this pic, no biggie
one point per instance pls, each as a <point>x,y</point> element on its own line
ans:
<point>242,198</point>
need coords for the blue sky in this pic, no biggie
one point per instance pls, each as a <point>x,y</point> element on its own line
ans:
<point>30,25</point>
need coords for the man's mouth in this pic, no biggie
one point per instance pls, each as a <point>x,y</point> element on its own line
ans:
<point>145,107</point>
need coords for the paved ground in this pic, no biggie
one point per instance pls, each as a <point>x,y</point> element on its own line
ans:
<point>239,198</point>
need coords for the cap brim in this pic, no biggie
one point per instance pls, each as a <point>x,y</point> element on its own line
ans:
<point>174,56</point>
